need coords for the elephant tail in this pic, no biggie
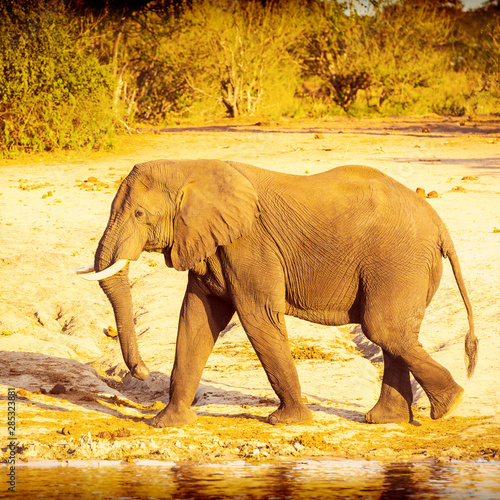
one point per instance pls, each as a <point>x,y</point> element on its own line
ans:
<point>471,341</point>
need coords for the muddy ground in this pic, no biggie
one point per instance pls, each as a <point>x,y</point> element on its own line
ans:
<point>53,210</point>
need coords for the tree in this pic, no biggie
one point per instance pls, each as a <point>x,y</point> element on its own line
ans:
<point>53,91</point>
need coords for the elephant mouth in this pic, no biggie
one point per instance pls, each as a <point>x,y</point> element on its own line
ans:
<point>87,272</point>
<point>153,249</point>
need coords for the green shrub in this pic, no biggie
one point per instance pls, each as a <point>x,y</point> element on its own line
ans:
<point>67,78</point>
<point>53,92</point>
<point>387,57</point>
<point>232,57</point>
<point>337,53</point>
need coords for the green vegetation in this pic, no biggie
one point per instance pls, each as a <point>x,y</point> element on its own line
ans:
<point>72,74</point>
<point>53,92</point>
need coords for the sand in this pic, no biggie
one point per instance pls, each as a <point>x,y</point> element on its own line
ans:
<point>53,210</point>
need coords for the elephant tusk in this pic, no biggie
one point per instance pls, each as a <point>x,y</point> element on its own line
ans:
<point>84,269</point>
<point>106,273</point>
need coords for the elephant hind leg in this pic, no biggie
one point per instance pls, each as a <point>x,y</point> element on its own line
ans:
<point>396,396</point>
<point>403,352</point>
<point>443,392</point>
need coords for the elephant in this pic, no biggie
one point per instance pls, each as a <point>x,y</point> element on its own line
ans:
<point>349,245</point>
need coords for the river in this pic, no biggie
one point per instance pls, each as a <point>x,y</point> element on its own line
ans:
<point>309,479</point>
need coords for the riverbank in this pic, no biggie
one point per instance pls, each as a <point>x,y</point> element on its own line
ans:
<point>74,399</point>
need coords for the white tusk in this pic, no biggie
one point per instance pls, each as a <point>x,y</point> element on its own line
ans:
<point>106,273</point>
<point>84,270</point>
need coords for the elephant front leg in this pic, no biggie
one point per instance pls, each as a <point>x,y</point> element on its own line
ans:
<point>396,395</point>
<point>201,320</point>
<point>267,333</point>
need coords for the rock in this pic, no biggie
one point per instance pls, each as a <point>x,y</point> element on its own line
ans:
<point>426,130</point>
<point>32,450</point>
<point>382,452</point>
<point>85,324</point>
<point>58,389</point>
<point>12,320</point>
<point>111,332</point>
<point>85,349</point>
<point>105,435</point>
<point>319,136</point>
<point>35,371</point>
<point>432,194</point>
<point>109,435</point>
<point>420,192</point>
<point>287,449</point>
<point>49,342</point>
<point>453,452</point>
<point>155,385</point>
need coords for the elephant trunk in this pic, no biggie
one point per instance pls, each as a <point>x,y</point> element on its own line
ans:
<point>117,289</point>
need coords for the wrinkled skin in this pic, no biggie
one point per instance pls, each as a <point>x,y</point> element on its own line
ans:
<point>350,245</point>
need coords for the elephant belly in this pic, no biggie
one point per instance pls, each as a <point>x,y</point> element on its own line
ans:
<point>332,304</point>
<point>327,317</point>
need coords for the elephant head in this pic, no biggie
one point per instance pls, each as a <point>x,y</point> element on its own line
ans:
<point>183,209</point>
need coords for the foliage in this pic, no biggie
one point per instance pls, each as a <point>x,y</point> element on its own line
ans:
<point>388,54</point>
<point>70,76</point>
<point>244,50</point>
<point>223,55</point>
<point>484,58</point>
<point>338,53</point>
<point>53,93</point>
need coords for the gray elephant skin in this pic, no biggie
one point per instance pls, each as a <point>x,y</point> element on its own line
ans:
<point>350,245</point>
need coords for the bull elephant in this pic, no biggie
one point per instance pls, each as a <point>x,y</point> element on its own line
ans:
<point>350,245</point>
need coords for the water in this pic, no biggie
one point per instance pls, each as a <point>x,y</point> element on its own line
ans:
<point>322,479</point>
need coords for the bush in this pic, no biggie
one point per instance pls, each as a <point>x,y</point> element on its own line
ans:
<point>232,57</point>
<point>244,54</point>
<point>386,55</point>
<point>337,53</point>
<point>53,92</point>
<point>67,78</point>
<point>476,61</point>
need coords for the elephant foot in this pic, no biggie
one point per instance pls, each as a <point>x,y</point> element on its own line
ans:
<point>140,371</point>
<point>173,418</point>
<point>445,405</point>
<point>290,414</point>
<point>387,414</point>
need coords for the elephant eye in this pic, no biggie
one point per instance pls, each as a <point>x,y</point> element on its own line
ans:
<point>139,213</point>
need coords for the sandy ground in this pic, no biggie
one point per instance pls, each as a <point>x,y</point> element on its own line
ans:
<point>53,211</point>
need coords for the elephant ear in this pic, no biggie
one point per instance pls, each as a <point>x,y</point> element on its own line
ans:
<point>215,207</point>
